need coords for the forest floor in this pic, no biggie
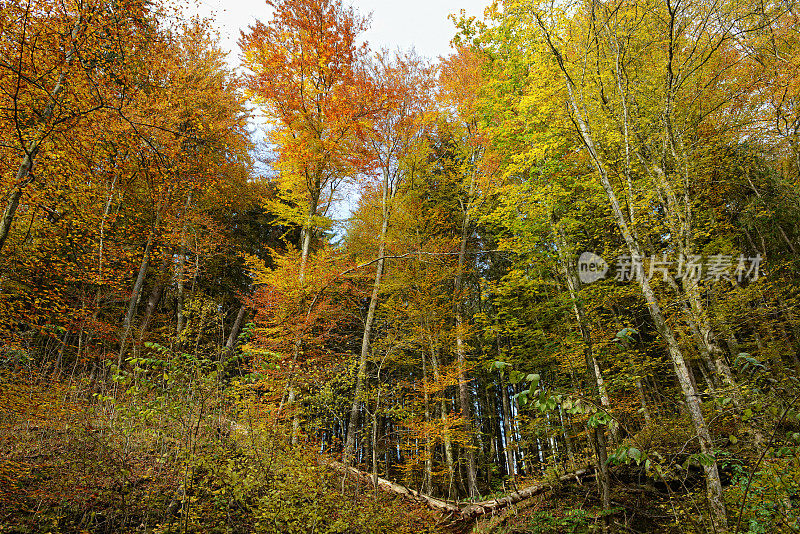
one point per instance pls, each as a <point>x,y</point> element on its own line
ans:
<point>73,461</point>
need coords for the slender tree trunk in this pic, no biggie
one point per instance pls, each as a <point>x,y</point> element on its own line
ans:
<point>306,234</point>
<point>447,442</point>
<point>497,428</point>
<point>427,477</point>
<point>520,453</point>
<point>704,365</point>
<point>387,432</point>
<point>106,211</point>
<point>127,323</point>
<point>101,244</point>
<point>230,344</point>
<point>181,320</point>
<point>605,401</point>
<point>507,431</point>
<point>305,242</point>
<point>643,401</point>
<point>567,437</point>
<point>778,226</point>
<point>375,443</point>
<point>708,341</point>
<point>461,351</point>
<point>490,432</point>
<point>361,377</point>
<point>596,435</point>
<point>152,301</point>
<point>24,176</point>
<point>713,482</point>
<point>292,401</point>
<point>479,416</point>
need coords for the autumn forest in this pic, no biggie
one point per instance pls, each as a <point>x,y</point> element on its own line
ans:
<point>547,283</point>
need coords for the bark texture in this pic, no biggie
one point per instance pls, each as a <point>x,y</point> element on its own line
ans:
<point>457,514</point>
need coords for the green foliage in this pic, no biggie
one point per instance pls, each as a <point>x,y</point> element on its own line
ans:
<point>571,520</point>
<point>765,498</point>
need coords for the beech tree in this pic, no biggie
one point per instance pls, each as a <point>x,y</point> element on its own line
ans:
<point>459,82</point>
<point>309,73</point>
<point>59,66</point>
<point>393,140</point>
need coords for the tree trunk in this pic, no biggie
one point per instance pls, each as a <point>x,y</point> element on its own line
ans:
<point>713,481</point>
<point>427,477</point>
<point>135,295</point>
<point>447,443</point>
<point>361,377</point>
<point>106,211</point>
<point>233,337</point>
<point>472,511</point>
<point>490,431</point>
<point>596,435</point>
<point>708,341</point>
<point>181,319</point>
<point>23,179</point>
<point>292,401</point>
<point>605,401</point>
<point>24,176</point>
<point>305,249</point>
<point>643,401</point>
<point>375,443</point>
<point>463,383</point>
<point>507,431</point>
<point>152,301</point>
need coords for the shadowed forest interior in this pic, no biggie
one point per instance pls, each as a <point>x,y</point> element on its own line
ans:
<point>547,283</point>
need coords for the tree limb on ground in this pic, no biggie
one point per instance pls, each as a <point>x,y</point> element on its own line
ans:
<point>456,514</point>
<point>471,511</point>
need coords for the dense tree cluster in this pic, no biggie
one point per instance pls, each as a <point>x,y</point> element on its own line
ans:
<point>572,248</point>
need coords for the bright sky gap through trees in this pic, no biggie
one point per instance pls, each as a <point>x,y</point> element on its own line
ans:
<point>420,24</point>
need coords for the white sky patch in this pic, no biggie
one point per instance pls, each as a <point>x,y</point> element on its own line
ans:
<point>419,24</point>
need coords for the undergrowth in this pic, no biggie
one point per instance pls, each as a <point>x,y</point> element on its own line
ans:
<point>160,452</point>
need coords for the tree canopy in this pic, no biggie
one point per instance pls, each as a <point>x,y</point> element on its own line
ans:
<point>562,299</point>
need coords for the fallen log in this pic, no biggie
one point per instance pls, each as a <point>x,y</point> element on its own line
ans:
<point>471,511</point>
<point>455,513</point>
<point>474,510</point>
<point>388,485</point>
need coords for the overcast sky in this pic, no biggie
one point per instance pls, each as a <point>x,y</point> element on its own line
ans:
<point>421,24</point>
